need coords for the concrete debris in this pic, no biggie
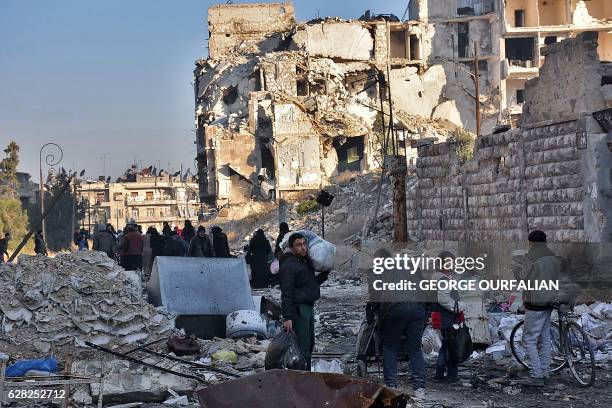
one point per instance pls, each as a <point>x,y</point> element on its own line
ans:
<point>54,305</point>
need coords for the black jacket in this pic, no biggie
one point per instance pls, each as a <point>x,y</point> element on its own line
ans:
<point>220,245</point>
<point>299,284</point>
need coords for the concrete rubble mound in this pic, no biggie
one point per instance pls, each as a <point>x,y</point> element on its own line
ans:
<point>54,305</point>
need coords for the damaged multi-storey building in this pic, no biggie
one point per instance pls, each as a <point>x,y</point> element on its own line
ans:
<point>509,35</point>
<point>282,106</point>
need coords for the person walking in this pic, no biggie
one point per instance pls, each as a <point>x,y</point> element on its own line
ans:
<point>147,252</point>
<point>131,252</point>
<point>40,246</point>
<point>283,229</point>
<point>402,318</point>
<point>450,311</point>
<point>188,231</point>
<point>258,257</point>
<point>4,246</point>
<point>105,242</point>
<point>541,264</point>
<point>219,243</point>
<point>173,245</point>
<point>300,289</point>
<point>200,245</point>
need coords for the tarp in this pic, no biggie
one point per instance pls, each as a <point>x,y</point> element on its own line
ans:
<point>200,286</point>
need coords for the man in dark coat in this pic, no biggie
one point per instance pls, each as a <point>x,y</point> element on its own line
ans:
<point>300,289</point>
<point>219,243</point>
<point>200,245</point>
<point>40,246</point>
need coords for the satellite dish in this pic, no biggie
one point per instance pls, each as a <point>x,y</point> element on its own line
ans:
<point>82,173</point>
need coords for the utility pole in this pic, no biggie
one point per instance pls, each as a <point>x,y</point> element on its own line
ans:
<point>477,85</point>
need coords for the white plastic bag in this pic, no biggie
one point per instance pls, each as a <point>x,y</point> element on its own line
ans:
<point>274,267</point>
<point>322,253</point>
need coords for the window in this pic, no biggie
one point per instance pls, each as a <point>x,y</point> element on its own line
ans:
<point>117,196</point>
<point>134,194</point>
<point>520,96</point>
<point>302,82</point>
<point>551,39</point>
<point>135,213</point>
<point>519,18</point>
<point>397,41</point>
<point>463,42</point>
<point>100,197</point>
<point>149,195</point>
<point>415,52</point>
<point>150,212</point>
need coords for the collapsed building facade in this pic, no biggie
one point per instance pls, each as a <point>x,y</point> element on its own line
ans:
<point>282,106</point>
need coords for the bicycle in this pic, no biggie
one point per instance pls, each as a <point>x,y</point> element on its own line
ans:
<point>570,347</point>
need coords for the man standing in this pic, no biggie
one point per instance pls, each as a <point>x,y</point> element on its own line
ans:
<point>541,264</point>
<point>300,289</point>
<point>4,245</point>
<point>219,243</point>
<point>40,246</point>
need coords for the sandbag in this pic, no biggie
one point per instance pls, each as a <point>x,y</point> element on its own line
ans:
<point>322,253</point>
<point>284,352</point>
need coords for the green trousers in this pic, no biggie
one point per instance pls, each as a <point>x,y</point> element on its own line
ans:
<point>303,325</point>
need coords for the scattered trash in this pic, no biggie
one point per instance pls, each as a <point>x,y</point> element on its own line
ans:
<point>284,352</point>
<point>327,366</point>
<point>20,368</point>
<point>225,355</point>
<point>245,323</point>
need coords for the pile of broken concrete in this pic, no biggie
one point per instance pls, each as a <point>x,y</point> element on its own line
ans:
<point>53,305</point>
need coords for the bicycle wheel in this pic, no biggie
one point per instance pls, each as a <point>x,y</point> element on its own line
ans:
<point>579,355</point>
<point>557,360</point>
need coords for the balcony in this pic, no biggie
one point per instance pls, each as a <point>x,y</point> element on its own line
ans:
<point>160,201</point>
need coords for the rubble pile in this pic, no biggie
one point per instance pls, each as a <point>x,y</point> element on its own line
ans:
<point>52,305</point>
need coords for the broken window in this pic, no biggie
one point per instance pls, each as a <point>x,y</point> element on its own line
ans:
<point>521,51</point>
<point>463,42</point>
<point>520,96</point>
<point>550,39</point>
<point>415,49</point>
<point>519,18</point>
<point>397,41</point>
<point>350,152</point>
<point>317,87</point>
<point>267,160</point>
<point>230,95</point>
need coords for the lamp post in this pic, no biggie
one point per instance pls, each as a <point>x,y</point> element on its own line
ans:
<point>51,160</point>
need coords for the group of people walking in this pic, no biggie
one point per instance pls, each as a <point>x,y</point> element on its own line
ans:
<point>134,249</point>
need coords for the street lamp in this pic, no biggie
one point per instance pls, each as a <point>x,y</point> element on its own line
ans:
<point>51,160</point>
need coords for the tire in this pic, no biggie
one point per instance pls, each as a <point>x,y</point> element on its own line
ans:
<point>557,360</point>
<point>579,355</point>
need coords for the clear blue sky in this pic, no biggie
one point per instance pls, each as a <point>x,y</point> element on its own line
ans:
<point>113,77</point>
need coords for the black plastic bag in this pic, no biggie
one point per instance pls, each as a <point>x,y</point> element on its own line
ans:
<point>284,352</point>
<point>460,344</point>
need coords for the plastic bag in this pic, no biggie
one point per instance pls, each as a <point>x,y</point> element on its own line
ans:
<point>460,343</point>
<point>274,267</point>
<point>21,367</point>
<point>321,252</point>
<point>284,352</point>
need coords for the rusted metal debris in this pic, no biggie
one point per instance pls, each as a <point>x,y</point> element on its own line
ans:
<point>300,389</point>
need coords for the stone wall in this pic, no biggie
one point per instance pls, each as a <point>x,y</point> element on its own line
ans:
<point>569,82</point>
<point>518,181</point>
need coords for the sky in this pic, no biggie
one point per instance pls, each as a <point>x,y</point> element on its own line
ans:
<point>110,81</point>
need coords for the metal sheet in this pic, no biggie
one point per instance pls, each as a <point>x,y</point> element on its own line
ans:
<point>200,286</point>
<point>300,389</point>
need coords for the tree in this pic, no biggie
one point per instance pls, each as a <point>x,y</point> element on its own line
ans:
<point>8,171</point>
<point>13,218</point>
